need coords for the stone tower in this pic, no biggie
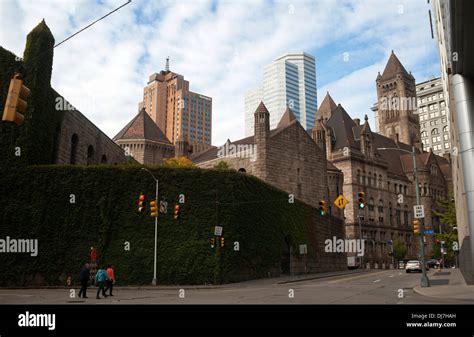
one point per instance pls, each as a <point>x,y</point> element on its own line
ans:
<point>262,135</point>
<point>396,103</point>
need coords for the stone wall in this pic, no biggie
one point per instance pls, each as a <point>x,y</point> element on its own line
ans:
<point>92,145</point>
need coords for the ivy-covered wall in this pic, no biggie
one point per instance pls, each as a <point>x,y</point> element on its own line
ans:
<point>36,204</point>
<point>35,141</point>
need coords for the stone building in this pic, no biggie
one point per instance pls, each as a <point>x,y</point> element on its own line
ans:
<point>433,116</point>
<point>286,157</point>
<point>143,140</point>
<point>381,166</point>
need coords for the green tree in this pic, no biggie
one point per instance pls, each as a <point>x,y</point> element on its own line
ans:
<point>399,250</point>
<point>446,211</point>
<point>222,165</point>
<point>450,240</point>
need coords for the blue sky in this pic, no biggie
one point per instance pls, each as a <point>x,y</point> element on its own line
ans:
<point>221,48</point>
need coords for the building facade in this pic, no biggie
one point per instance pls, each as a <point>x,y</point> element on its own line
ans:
<point>178,112</point>
<point>286,157</point>
<point>433,117</point>
<point>452,21</point>
<point>383,175</point>
<point>290,80</point>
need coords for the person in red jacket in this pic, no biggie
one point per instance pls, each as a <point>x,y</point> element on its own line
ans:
<point>111,276</point>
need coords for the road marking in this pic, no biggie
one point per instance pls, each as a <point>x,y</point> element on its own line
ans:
<point>392,275</point>
<point>359,276</point>
<point>400,273</point>
<point>377,280</point>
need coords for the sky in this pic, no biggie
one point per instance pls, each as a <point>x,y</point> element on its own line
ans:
<point>220,47</point>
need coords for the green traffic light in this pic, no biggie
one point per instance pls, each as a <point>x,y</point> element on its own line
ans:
<point>361,206</point>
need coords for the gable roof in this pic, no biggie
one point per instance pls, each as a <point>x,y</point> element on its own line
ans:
<point>287,118</point>
<point>326,108</point>
<point>342,126</point>
<point>142,127</point>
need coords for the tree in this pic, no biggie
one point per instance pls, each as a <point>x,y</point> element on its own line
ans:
<point>222,165</point>
<point>180,162</point>
<point>399,250</point>
<point>447,211</point>
<point>450,240</point>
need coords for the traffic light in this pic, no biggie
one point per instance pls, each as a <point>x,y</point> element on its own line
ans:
<point>153,209</point>
<point>177,211</point>
<point>222,241</point>
<point>141,200</point>
<point>322,207</point>
<point>212,241</point>
<point>16,104</point>
<point>416,226</point>
<point>361,200</point>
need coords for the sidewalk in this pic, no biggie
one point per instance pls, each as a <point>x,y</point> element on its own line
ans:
<point>243,284</point>
<point>447,284</point>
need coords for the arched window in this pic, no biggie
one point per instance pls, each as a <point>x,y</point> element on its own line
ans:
<point>424,134</point>
<point>104,159</point>
<point>435,131</point>
<point>242,170</point>
<point>445,129</point>
<point>74,146</point>
<point>380,208</point>
<point>371,205</point>
<point>90,154</point>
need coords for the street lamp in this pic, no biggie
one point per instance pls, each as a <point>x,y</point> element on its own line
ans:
<point>156,226</point>
<point>425,282</point>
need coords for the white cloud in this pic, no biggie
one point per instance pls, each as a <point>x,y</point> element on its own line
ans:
<point>221,53</point>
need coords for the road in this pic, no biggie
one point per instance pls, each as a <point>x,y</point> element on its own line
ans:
<point>374,287</point>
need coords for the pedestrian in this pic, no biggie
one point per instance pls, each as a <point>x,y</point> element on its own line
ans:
<point>84,279</point>
<point>100,279</point>
<point>111,281</point>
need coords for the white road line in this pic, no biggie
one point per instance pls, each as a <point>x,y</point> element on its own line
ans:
<point>377,280</point>
<point>392,275</point>
<point>400,273</point>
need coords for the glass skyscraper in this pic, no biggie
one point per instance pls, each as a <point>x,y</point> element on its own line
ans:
<point>290,80</point>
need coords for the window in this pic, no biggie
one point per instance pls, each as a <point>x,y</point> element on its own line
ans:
<point>445,129</point>
<point>380,208</point>
<point>424,134</point>
<point>446,145</point>
<point>398,216</point>
<point>434,131</point>
<point>90,154</point>
<point>371,205</point>
<point>443,112</point>
<point>445,136</point>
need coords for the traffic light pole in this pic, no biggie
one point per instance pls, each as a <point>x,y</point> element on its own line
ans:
<point>154,281</point>
<point>425,282</point>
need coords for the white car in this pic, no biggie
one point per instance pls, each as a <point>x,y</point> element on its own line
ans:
<point>413,265</point>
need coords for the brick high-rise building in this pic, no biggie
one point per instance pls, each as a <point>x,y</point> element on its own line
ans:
<point>178,112</point>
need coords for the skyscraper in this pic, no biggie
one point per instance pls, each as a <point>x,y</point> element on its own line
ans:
<point>178,112</point>
<point>290,80</point>
<point>433,118</point>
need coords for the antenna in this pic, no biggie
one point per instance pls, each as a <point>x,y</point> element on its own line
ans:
<point>167,67</point>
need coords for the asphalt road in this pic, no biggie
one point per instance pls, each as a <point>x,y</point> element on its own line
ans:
<point>376,287</point>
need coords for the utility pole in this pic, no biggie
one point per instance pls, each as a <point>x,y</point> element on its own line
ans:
<point>154,281</point>
<point>425,282</point>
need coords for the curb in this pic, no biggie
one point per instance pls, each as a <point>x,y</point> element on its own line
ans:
<point>323,276</point>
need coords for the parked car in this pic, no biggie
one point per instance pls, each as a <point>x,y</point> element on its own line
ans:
<point>433,263</point>
<point>413,265</point>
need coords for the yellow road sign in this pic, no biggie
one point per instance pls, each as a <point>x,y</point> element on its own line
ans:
<point>340,201</point>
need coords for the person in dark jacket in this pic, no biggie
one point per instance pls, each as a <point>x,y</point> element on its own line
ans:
<point>84,279</point>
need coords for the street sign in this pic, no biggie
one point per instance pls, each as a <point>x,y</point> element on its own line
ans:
<point>163,206</point>
<point>218,231</point>
<point>443,250</point>
<point>428,231</point>
<point>303,249</point>
<point>419,211</point>
<point>340,201</point>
